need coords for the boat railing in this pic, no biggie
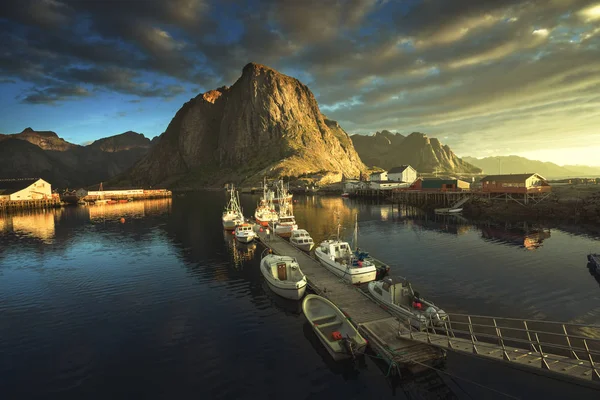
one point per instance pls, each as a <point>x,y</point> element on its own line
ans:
<point>556,346</point>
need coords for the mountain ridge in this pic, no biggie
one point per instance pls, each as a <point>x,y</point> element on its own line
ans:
<point>517,164</point>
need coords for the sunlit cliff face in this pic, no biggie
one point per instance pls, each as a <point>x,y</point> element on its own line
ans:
<point>489,77</point>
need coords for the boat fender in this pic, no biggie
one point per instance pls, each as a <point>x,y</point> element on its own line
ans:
<point>336,335</point>
<point>360,264</point>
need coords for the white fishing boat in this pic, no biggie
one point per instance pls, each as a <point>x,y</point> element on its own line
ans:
<point>398,296</point>
<point>232,216</point>
<point>302,240</point>
<point>338,335</point>
<point>287,221</point>
<point>245,233</point>
<point>337,256</point>
<point>265,212</point>
<point>284,276</point>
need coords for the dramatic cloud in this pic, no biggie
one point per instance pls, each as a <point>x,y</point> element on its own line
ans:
<point>487,74</point>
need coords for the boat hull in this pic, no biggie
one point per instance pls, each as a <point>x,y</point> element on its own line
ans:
<point>245,239</point>
<point>307,247</point>
<point>285,230</point>
<point>594,260</point>
<point>338,356</point>
<point>370,273</point>
<point>287,293</point>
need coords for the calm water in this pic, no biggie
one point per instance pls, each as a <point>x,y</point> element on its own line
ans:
<point>167,305</point>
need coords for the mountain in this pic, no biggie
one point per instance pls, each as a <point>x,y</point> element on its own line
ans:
<point>43,153</point>
<point>519,165</point>
<point>266,123</point>
<point>387,150</point>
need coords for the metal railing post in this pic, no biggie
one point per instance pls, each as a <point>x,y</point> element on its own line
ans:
<point>595,372</point>
<point>501,341</point>
<point>410,334</point>
<point>472,336</point>
<point>529,337</point>
<point>544,363</point>
<point>569,342</point>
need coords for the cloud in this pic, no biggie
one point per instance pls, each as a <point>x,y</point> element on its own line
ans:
<point>474,70</point>
<point>52,95</point>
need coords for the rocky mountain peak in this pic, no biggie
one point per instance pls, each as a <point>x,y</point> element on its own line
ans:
<point>266,123</point>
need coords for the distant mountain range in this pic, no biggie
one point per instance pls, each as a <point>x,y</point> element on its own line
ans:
<point>520,165</point>
<point>44,154</point>
<point>387,150</point>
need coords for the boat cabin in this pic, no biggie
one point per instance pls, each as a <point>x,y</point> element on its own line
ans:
<point>339,251</point>
<point>301,237</point>
<point>283,269</point>
<point>287,220</point>
<point>395,290</point>
<point>244,228</point>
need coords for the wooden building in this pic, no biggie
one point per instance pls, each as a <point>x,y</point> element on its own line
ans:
<point>387,185</point>
<point>378,176</point>
<point>25,189</point>
<point>515,183</point>
<point>403,173</point>
<point>440,185</point>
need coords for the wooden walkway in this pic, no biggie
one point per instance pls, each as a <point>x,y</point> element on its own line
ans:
<point>373,322</point>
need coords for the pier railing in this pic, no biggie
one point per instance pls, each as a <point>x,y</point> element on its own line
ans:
<point>571,349</point>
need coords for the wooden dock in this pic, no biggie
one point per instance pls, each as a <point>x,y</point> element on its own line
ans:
<point>376,324</point>
<point>29,204</point>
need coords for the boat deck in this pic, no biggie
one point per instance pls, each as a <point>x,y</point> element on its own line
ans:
<point>376,324</point>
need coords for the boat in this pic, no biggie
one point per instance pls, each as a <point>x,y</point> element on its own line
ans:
<point>335,332</point>
<point>398,296</point>
<point>337,256</point>
<point>232,216</point>
<point>265,213</point>
<point>245,233</point>
<point>448,210</point>
<point>302,240</point>
<point>594,260</point>
<point>284,276</point>
<point>345,194</point>
<point>382,268</point>
<point>287,222</point>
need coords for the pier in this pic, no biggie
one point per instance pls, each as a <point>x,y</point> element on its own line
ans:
<point>375,323</point>
<point>567,351</point>
<point>29,204</point>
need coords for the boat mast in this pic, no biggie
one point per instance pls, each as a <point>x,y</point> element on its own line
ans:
<point>355,238</point>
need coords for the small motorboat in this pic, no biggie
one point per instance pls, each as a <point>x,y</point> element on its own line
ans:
<point>397,294</point>
<point>338,335</point>
<point>302,240</point>
<point>594,260</point>
<point>245,233</point>
<point>345,194</point>
<point>284,276</point>
<point>448,210</point>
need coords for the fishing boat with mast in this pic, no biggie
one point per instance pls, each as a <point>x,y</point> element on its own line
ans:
<point>265,213</point>
<point>232,216</point>
<point>382,268</point>
<point>287,222</point>
<point>337,256</point>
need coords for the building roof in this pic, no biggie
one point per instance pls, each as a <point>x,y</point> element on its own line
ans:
<point>10,186</point>
<point>397,170</point>
<point>509,177</point>
<point>378,173</point>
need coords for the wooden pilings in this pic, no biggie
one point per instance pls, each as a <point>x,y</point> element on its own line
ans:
<point>29,204</point>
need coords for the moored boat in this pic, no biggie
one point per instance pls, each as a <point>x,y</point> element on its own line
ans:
<point>284,276</point>
<point>265,213</point>
<point>287,222</point>
<point>594,260</point>
<point>382,268</point>
<point>397,294</point>
<point>245,233</point>
<point>232,216</point>
<point>302,240</point>
<point>335,332</point>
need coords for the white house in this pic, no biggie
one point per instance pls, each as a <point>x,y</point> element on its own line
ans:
<point>378,176</point>
<point>25,189</point>
<point>403,173</point>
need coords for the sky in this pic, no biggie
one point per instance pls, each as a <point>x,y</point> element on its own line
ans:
<point>487,77</point>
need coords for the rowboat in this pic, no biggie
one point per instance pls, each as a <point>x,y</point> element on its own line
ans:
<point>284,276</point>
<point>448,210</point>
<point>335,332</point>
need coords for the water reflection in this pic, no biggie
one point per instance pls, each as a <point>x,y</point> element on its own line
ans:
<point>240,252</point>
<point>39,224</point>
<point>132,209</point>
<point>530,238</point>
